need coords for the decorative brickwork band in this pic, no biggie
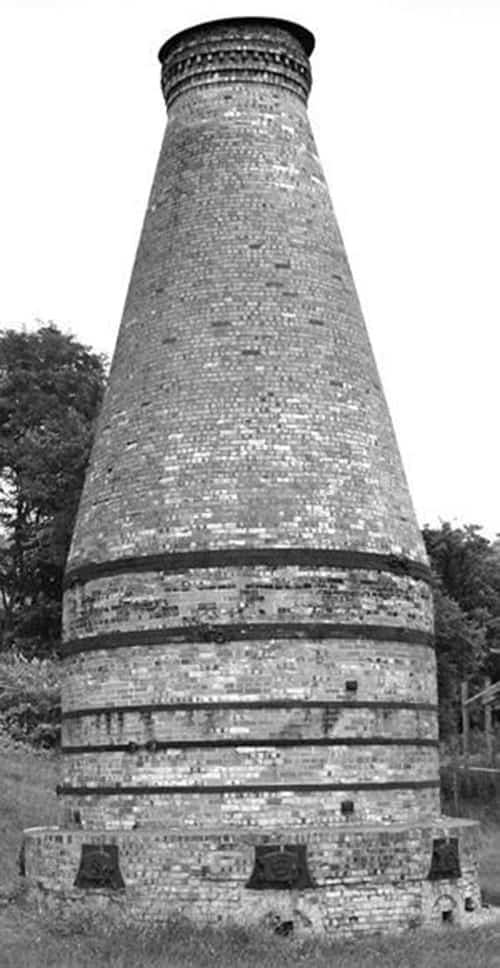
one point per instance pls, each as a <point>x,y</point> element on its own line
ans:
<point>155,746</point>
<point>243,50</point>
<point>140,789</point>
<point>146,708</point>
<point>251,631</point>
<point>179,562</point>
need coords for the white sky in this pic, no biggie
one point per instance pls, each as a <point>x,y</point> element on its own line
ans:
<point>405,113</point>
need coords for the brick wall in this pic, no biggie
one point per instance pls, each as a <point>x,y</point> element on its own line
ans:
<point>244,407</point>
<point>365,879</point>
<point>245,535</point>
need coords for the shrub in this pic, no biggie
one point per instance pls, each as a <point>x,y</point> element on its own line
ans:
<point>30,701</point>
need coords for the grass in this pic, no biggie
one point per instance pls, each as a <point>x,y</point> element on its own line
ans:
<point>478,797</point>
<point>178,947</point>
<point>27,941</point>
<point>490,867</point>
<point>27,799</point>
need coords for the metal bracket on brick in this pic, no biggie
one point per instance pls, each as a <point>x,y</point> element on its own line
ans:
<point>99,868</point>
<point>445,863</point>
<point>280,868</point>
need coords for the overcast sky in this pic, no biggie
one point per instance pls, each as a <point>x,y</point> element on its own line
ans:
<point>405,110</point>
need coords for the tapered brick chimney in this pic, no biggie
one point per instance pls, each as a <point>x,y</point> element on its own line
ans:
<point>250,720</point>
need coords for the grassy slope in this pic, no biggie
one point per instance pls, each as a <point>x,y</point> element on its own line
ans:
<point>490,868</point>
<point>489,817</point>
<point>27,799</point>
<point>180,948</point>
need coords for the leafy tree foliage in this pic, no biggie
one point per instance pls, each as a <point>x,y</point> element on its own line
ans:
<point>467,608</point>
<point>30,700</point>
<point>461,654</point>
<point>51,388</point>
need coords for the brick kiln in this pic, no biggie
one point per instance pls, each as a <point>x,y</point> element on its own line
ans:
<point>250,723</point>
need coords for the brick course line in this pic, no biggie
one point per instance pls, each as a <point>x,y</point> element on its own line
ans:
<point>178,562</point>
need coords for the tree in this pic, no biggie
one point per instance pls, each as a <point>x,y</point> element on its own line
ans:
<point>468,568</point>
<point>460,652</point>
<point>51,389</point>
<point>467,611</point>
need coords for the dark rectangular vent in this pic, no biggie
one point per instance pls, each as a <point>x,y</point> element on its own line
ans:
<point>99,867</point>
<point>347,807</point>
<point>280,867</point>
<point>445,861</point>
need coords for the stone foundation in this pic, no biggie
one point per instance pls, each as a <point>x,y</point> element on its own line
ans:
<point>365,878</point>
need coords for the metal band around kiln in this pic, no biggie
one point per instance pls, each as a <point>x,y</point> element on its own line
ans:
<point>256,631</point>
<point>146,708</point>
<point>142,789</point>
<point>242,742</point>
<point>178,562</point>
